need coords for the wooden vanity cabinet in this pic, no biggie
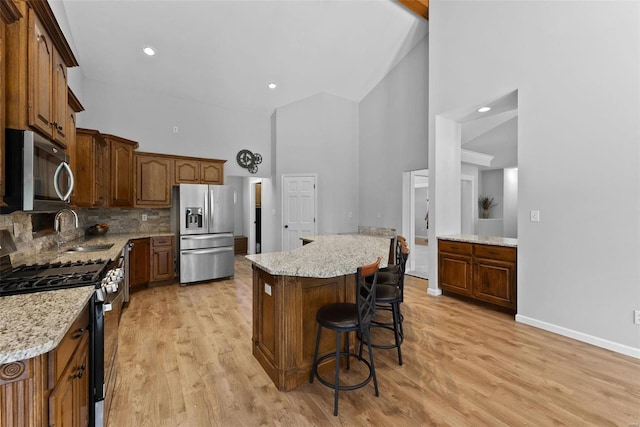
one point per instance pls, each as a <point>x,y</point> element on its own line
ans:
<point>162,255</point>
<point>90,172</point>
<point>139,262</point>
<point>121,178</point>
<point>479,271</point>
<point>154,180</point>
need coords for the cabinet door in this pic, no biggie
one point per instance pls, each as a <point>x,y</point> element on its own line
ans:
<point>98,178</point>
<point>59,99</point>
<point>153,181</point>
<point>71,143</point>
<point>121,174</point>
<point>455,273</point>
<point>69,400</point>
<point>139,262</point>
<point>162,263</point>
<point>455,266</point>
<point>187,171</point>
<point>211,172</point>
<point>40,77</point>
<point>495,282</point>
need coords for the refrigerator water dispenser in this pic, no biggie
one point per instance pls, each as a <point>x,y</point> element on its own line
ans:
<point>193,218</point>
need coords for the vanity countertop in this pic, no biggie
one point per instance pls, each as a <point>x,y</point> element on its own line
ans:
<point>484,240</point>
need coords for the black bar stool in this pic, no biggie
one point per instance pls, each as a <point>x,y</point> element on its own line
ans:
<point>349,317</point>
<point>389,296</point>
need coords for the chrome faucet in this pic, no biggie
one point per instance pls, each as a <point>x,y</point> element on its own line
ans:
<point>56,222</point>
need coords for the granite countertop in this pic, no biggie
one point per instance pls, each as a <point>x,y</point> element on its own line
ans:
<point>33,324</point>
<point>484,240</point>
<point>325,256</point>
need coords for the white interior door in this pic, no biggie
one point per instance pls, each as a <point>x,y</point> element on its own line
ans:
<point>298,209</point>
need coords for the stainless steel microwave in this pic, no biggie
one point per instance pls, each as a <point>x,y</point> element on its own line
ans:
<point>37,173</point>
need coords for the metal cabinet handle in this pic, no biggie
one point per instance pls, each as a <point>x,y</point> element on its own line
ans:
<point>286,226</point>
<point>78,333</point>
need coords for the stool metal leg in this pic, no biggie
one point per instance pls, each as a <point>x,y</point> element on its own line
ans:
<point>395,310</point>
<point>337,379</point>
<point>373,368</point>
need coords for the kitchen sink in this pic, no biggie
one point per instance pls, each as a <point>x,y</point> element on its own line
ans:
<point>90,248</point>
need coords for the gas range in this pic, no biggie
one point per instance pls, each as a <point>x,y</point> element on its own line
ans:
<point>47,277</point>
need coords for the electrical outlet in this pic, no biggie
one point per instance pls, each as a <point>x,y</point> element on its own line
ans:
<point>267,289</point>
<point>535,216</point>
<point>144,217</point>
<point>636,317</point>
<point>175,129</point>
<point>350,214</point>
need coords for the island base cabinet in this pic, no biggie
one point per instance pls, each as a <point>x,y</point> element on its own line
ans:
<point>285,326</point>
<point>23,390</point>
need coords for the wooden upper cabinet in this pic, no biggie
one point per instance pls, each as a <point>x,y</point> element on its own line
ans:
<point>154,180</point>
<point>121,192</point>
<point>190,170</point>
<point>40,77</point>
<point>37,58</point>
<point>74,107</point>
<point>187,171</point>
<point>59,101</point>
<point>90,172</point>
<point>212,172</point>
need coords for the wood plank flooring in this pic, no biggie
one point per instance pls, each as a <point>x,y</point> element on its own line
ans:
<point>185,360</point>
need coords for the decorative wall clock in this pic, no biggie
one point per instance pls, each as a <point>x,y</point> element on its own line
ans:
<point>249,160</point>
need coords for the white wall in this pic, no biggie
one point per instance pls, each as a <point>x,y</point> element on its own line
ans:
<point>204,130</point>
<point>510,199</point>
<point>319,135</point>
<point>576,68</point>
<point>393,138</point>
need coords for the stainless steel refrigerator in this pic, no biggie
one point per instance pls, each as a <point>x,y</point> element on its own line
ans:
<point>205,231</point>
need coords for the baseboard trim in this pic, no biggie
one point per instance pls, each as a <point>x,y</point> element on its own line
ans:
<point>580,336</point>
<point>434,292</point>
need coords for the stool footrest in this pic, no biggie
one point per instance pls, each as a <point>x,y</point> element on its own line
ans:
<point>344,387</point>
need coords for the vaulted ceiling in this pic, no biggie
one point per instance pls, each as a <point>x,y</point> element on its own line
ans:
<point>225,52</point>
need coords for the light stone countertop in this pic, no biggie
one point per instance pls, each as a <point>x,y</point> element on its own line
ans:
<point>325,257</point>
<point>485,240</point>
<point>33,324</point>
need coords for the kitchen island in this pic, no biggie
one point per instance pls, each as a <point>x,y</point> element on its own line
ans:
<point>289,287</point>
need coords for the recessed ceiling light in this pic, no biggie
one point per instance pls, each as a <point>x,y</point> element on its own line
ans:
<point>483,109</point>
<point>149,51</point>
<point>272,85</point>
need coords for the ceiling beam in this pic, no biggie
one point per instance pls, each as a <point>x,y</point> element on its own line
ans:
<point>419,7</point>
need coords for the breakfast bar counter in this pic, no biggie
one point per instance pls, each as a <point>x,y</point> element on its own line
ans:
<point>289,287</point>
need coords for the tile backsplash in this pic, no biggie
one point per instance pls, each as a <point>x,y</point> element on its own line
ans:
<point>120,221</point>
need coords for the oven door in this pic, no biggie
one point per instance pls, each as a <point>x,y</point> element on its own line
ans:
<point>111,323</point>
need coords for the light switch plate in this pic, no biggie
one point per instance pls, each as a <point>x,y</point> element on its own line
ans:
<point>535,216</point>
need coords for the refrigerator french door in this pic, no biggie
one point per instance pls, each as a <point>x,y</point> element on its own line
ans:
<point>206,215</point>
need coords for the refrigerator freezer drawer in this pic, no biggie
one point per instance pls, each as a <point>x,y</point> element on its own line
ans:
<point>206,264</point>
<point>205,241</point>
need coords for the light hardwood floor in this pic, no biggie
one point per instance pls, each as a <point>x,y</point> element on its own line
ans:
<point>185,360</point>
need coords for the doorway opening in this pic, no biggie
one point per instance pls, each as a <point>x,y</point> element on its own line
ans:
<point>416,221</point>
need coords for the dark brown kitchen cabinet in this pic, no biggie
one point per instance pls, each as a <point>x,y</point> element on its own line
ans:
<point>139,262</point>
<point>90,172</point>
<point>69,400</point>
<point>162,256</point>
<point>154,180</point>
<point>479,271</point>
<point>38,57</point>
<point>121,178</point>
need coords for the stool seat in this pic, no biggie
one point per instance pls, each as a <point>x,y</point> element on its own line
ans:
<point>387,293</point>
<point>340,315</point>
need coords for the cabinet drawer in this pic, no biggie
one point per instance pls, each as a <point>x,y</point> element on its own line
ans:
<point>161,241</point>
<point>61,355</point>
<point>500,253</point>
<point>461,248</point>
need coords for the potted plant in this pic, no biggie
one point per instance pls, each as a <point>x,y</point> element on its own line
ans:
<point>486,203</point>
